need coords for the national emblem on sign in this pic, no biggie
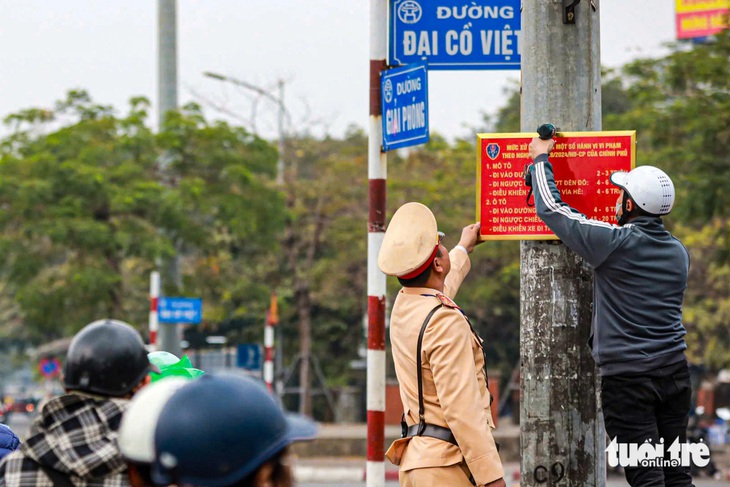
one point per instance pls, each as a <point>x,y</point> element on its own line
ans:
<point>388,91</point>
<point>409,12</point>
<point>492,151</point>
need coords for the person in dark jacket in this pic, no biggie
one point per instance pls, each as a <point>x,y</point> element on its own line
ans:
<point>640,275</point>
<point>73,440</point>
<point>9,441</point>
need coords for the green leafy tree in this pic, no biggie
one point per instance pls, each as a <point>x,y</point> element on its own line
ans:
<point>678,105</point>
<point>225,215</point>
<point>87,211</point>
<point>707,299</point>
<point>323,264</point>
<point>77,201</point>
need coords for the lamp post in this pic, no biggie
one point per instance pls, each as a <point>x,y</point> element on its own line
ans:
<point>279,100</point>
<point>166,337</point>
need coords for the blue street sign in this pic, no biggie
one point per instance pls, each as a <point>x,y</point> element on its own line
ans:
<point>249,356</point>
<point>455,34</point>
<point>405,106</point>
<point>180,310</point>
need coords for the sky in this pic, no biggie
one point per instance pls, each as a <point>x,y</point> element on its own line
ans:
<point>318,48</point>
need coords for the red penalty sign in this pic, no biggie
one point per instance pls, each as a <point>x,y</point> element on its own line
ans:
<point>582,163</point>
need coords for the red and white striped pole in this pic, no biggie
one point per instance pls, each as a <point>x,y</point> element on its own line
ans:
<point>377,174</point>
<point>272,319</point>
<point>154,299</point>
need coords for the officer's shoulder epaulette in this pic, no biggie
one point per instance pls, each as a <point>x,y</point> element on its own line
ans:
<point>447,301</point>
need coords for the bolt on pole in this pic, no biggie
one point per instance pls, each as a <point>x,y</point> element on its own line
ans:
<point>562,438</point>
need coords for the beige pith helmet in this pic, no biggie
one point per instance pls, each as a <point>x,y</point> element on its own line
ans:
<point>410,242</point>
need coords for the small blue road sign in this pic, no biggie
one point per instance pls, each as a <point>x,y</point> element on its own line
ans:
<point>404,94</point>
<point>249,356</point>
<point>180,310</point>
<point>455,34</point>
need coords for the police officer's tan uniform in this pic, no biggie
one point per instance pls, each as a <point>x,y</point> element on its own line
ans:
<point>455,392</point>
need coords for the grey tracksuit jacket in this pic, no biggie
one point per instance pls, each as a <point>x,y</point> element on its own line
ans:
<point>640,275</point>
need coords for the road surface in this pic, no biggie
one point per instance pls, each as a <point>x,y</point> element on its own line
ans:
<point>329,472</point>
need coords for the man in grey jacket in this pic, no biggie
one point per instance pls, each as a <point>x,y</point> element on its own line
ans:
<point>640,275</point>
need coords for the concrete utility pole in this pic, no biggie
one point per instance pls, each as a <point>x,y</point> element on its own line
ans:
<point>168,339</point>
<point>377,176</point>
<point>167,57</point>
<point>562,438</point>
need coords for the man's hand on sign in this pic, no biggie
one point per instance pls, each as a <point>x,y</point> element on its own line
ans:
<point>539,146</point>
<point>470,236</point>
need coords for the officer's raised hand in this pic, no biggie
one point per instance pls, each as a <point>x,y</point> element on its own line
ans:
<point>470,236</point>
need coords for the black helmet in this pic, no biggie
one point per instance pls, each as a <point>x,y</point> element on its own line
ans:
<point>106,357</point>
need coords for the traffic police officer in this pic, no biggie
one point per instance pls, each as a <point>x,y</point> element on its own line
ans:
<point>439,359</point>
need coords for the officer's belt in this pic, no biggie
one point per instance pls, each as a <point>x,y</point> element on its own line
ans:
<point>434,431</point>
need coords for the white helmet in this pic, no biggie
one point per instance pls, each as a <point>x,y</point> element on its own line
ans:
<point>137,431</point>
<point>649,187</point>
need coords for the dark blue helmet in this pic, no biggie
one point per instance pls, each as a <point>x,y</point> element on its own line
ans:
<point>217,430</point>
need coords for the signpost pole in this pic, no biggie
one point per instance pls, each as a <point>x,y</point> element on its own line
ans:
<point>154,301</point>
<point>377,174</point>
<point>562,438</point>
<point>272,319</point>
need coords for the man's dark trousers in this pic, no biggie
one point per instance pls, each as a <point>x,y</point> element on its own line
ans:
<point>651,405</point>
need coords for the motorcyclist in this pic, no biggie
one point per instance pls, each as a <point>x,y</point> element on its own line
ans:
<point>73,440</point>
<point>224,430</point>
<point>137,431</point>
